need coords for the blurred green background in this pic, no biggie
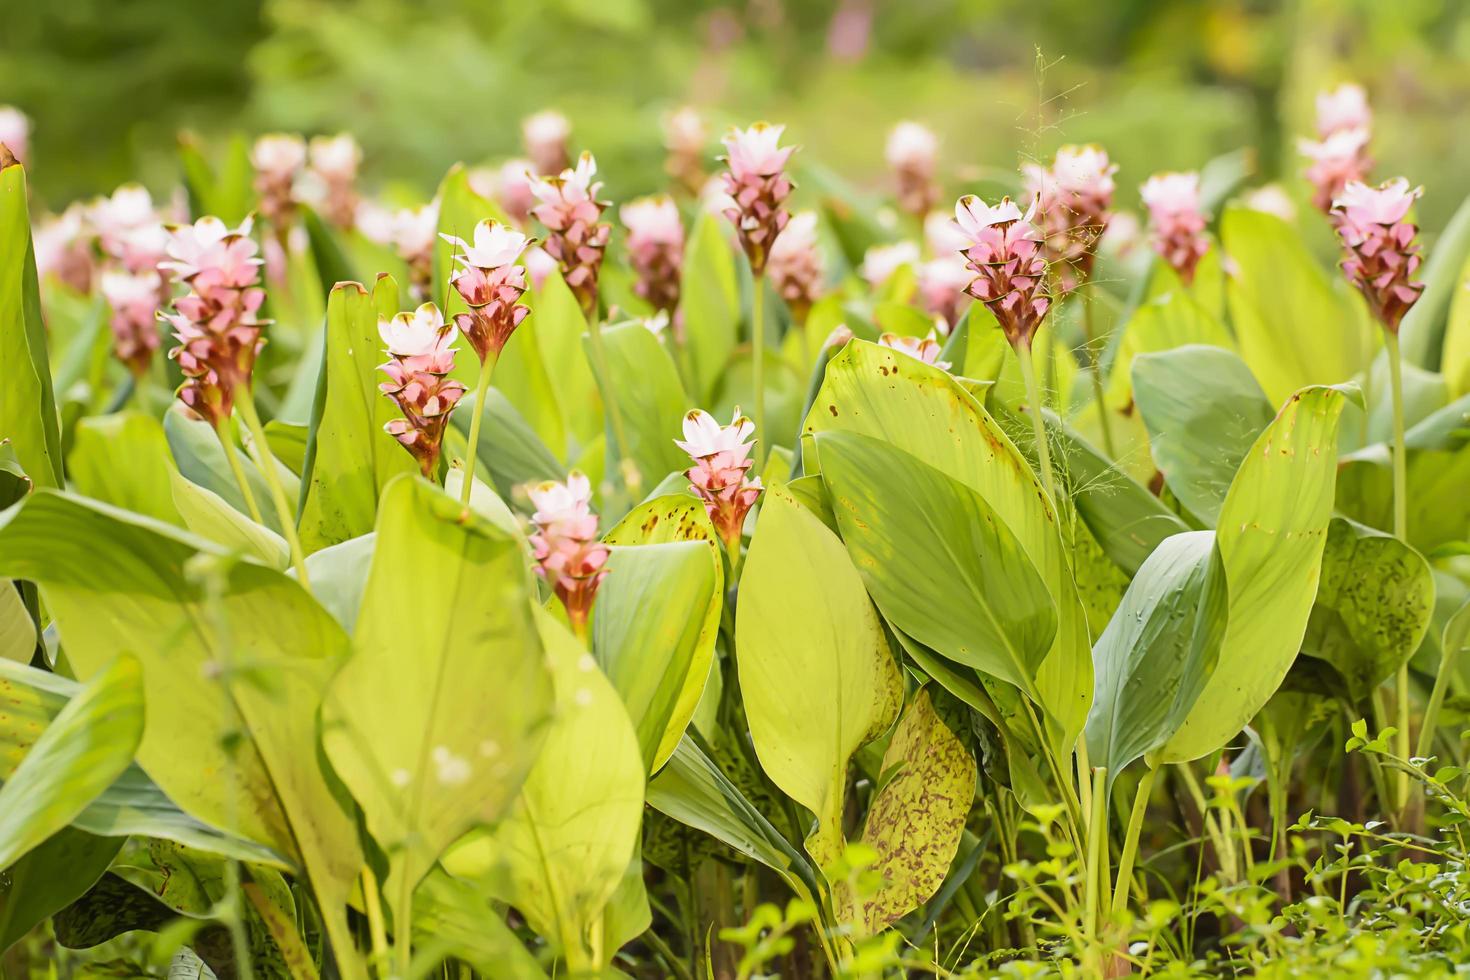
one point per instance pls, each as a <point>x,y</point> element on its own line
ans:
<point>1162,83</point>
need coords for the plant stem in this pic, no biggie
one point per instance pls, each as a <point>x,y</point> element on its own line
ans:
<point>758,365</point>
<point>1097,385</point>
<point>1038,426</point>
<point>1130,838</point>
<point>373,903</point>
<point>610,399</point>
<point>240,480</point>
<point>1436,700</point>
<point>267,463</point>
<point>1400,531</point>
<point>1084,776</point>
<point>1097,850</point>
<point>487,368</point>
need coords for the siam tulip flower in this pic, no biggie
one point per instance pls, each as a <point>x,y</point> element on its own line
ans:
<point>942,284</point>
<point>880,262</point>
<point>134,298</point>
<point>656,249</point>
<point>1373,224</point>
<point>568,553</point>
<point>796,267</point>
<point>215,322</point>
<point>1340,158</point>
<point>1345,107</point>
<point>513,189</point>
<point>1271,199</point>
<point>714,198</point>
<point>911,152</point>
<point>576,238</point>
<point>420,349</point>
<point>277,159</point>
<point>684,137</point>
<point>539,265</point>
<point>15,132</point>
<point>925,349</point>
<point>413,234</point>
<point>1124,234</point>
<point>1075,194</point>
<point>1005,256</point>
<point>942,235</point>
<point>757,182</point>
<point>1177,223</point>
<point>491,284</point>
<point>721,455</point>
<point>334,162</point>
<point>63,247</point>
<point>129,230</point>
<point>546,134</point>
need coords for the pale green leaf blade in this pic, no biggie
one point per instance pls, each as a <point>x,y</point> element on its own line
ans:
<point>709,299</point>
<point>650,398</point>
<point>122,459</point>
<point>206,514</point>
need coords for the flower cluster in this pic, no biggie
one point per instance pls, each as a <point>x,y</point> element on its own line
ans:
<point>721,456</point>
<point>1176,221</point>
<point>215,322</point>
<point>278,159</point>
<point>568,554</point>
<point>912,151</point>
<point>15,132</point>
<point>758,186</point>
<point>925,349</point>
<point>491,284</point>
<point>134,300</point>
<point>334,163</point>
<point>570,210</point>
<point>420,349</point>
<point>795,265</point>
<point>1005,254</point>
<point>1340,154</point>
<point>129,230</point>
<point>943,279</point>
<point>133,241</point>
<point>63,246</point>
<point>546,134</point>
<point>684,138</point>
<point>1075,195</point>
<point>656,249</point>
<point>1382,256</point>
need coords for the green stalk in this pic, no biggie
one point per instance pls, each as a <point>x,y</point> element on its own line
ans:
<point>1401,531</point>
<point>1096,870</point>
<point>1033,399</point>
<point>267,463</point>
<point>1130,839</point>
<point>487,368</point>
<point>1436,700</point>
<point>378,935</point>
<point>1097,385</point>
<point>610,399</point>
<point>758,366</point>
<point>244,484</point>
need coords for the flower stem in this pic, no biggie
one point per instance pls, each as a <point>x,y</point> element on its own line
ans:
<point>267,463</point>
<point>1401,531</point>
<point>610,399</point>
<point>758,355</point>
<point>1038,427</point>
<point>1130,839</point>
<point>487,368</point>
<point>1097,855</point>
<point>240,480</point>
<point>1094,366</point>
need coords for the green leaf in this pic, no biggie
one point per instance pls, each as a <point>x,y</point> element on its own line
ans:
<point>17,629</point>
<point>881,393</point>
<point>436,736</point>
<point>559,327</point>
<point>1203,410</point>
<point>122,459</point>
<point>332,265</point>
<point>571,833</point>
<point>509,448</point>
<point>87,745</point>
<point>658,621</point>
<point>917,818</point>
<point>1281,302</point>
<point>815,672</point>
<point>235,658</point>
<point>650,398</point>
<point>226,192</point>
<point>351,459</point>
<point>1272,532</point>
<point>452,917</point>
<point>1374,605</point>
<point>1456,357</point>
<point>206,514</point>
<point>1157,651</point>
<point>339,575</point>
<point>28,418</point>
<point>1424,324</point>
<point>49,878</point>
<point>201,459</point>
<point>937,560</point>
<point>709,299</point>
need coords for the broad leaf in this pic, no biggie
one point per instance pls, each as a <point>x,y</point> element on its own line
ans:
<point>452,917</point>
<point>17,629</point>
<point>201,459</point>
<point>510,449</point>
<point>709,299</point>
<point>206,514</point>
<point>122,459</point>
<point>1424,324</point>
<point>649,396</point>
<point>50,877</point>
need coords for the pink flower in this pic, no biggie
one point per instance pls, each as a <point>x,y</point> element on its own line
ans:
<point>912,151</point>
<point>539,265</point>
<point>546,134</point>
<point>942,235</point>
<point>1373,224</point>
<point>491,284</point>
<point>279,156</point>
<point>881,261</point>
<point>684,137</point>
<point>421,356</point>
<point>63,247</point>
<point>15,132</point>
<point>334,163</point>
<point>1075,195</point>
<point>942,284</point>
<point>1178,224</point>
<point>1005,256</point>
<point>1345,107</point>
<point>655,248</point>
<point>1340,158</point>
<point>513,189</point>
<point>795,266</point>
<point>721,456</point>
<point>758,187</point>
<point>128,228</point>
<point>1271,199</point>
<point>925,349</point>
<point>576,237</point>
<point>568,554</point>
<point>134,299</point>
